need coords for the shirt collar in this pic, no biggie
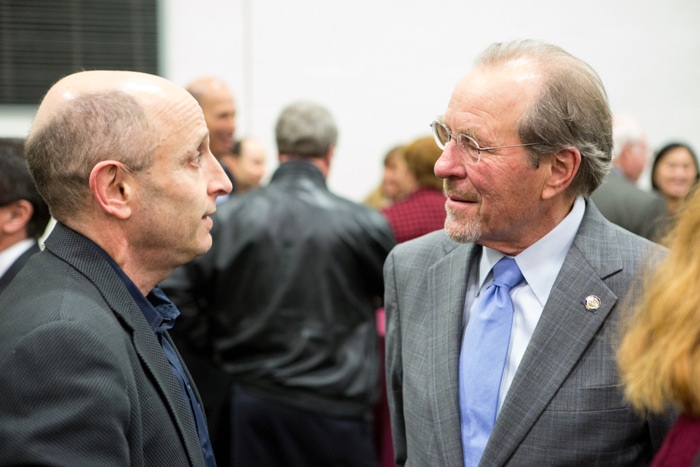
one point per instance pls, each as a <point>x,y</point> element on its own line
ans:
<point>540,262</point>
<point>158,310</point>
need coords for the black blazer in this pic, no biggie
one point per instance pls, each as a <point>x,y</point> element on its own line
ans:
<point>83,378</point>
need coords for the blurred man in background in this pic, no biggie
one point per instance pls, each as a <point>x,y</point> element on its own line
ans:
<point>219,107</point>
<point>246,163</point>
<point>23,213</point>
<point>618,197</point>
<point>288,296</point>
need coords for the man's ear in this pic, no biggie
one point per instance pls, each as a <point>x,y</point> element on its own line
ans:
<point>19,213</point>
<point>111,184</point>
<point>329,154</point>
<point>564,165</point>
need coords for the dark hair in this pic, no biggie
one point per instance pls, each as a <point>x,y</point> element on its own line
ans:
<point>664,151</point>
<point>16,184</point>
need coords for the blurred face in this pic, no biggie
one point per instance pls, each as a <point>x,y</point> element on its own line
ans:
<point>638,160</point>
<point>14,217</point>
<point>177,195</point>
<point>249,167</point>
<point>220,115</point>
<point>498,201</point>
<point>675,174</point>
<point>395,181</point>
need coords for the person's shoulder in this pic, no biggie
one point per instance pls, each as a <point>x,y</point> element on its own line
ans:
<point>612,241</point>
<point>344,207</point>
<point>630,241</point>
<point>49,283</point>
<point>46,294</point>
<point>435,243</point>
<point>240,209</point>
<point>372,220</point>
<point>642,198</point>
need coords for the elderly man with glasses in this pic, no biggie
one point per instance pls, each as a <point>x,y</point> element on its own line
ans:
<point>500,328</point>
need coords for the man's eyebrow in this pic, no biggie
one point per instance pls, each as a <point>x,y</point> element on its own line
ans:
<point>471,132</point>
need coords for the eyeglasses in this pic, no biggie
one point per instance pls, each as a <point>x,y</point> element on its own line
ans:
<point>472,149</point>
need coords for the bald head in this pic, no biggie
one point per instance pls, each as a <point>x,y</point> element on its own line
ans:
<point>218,105</point>
<point>92,116</point>
<point>207,86</point>
<point>147,89</point>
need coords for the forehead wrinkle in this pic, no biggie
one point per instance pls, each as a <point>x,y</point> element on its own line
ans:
<point>179,120</point>
<point>493,92</point>
<point>463,130</point>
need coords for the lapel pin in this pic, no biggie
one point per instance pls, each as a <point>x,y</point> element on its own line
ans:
<point>592,303</point>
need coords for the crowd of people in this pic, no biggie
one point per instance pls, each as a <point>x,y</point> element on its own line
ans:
<point>507,295</point>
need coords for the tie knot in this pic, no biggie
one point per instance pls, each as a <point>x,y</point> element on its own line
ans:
<point>506,273</point>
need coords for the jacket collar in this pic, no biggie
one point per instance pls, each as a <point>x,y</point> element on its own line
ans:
<point>299,169</point>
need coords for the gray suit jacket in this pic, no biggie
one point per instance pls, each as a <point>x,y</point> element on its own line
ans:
<point>83,378</point>
<point>565,406</point>
<point>622,203</point>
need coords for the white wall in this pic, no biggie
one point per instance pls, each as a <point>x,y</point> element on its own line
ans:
<point>386,68</point>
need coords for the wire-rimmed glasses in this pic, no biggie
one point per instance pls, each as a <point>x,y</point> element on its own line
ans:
<point>443,135</point>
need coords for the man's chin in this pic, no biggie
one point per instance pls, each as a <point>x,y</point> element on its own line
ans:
<point>462,230</point>
<point>203,247</point>
<point>206,244</point>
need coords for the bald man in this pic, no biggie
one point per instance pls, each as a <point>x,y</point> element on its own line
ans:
<point>88,372</point>
<point>219,107</point>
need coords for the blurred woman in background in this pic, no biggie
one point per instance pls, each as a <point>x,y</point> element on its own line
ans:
<point>674,173</point>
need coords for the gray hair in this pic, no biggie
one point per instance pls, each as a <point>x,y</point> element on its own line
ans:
<point>87,130</point>
<point>305,129</point>
<point>571,109</point>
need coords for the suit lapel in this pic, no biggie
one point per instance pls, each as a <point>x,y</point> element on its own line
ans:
<point>448,284</point>
<point>154,361</point>
<point>562,335</point>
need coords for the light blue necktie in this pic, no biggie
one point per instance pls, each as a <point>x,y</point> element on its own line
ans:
<point>482,359</point>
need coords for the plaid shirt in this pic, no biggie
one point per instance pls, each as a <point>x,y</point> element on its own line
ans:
<point>422,212</point>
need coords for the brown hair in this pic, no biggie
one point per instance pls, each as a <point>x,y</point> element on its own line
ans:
<point>421,156</point>
<point>659,357</point>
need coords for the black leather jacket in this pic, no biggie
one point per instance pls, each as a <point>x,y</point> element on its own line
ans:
<point>289,291</point>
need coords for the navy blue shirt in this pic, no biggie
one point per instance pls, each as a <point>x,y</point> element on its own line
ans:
<point>161,313</point>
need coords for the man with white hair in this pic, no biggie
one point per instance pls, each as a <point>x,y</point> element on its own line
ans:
<point>618,198</point>
<point>500,328</point>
